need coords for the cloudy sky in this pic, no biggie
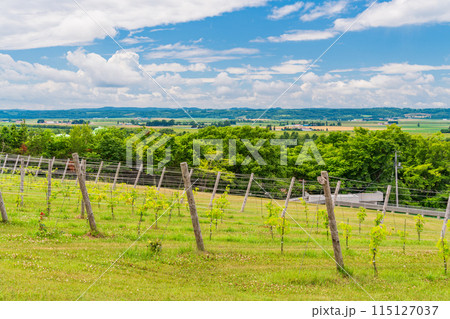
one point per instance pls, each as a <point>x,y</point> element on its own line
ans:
<point>224,53</point>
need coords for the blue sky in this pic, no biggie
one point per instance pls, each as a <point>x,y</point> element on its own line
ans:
<point>219,54</point>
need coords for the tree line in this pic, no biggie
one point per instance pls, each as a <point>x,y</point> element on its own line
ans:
<point>362,158</point>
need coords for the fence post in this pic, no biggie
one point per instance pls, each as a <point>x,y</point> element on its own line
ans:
<point>98,173</point>
<point>22,180</point>
<point>84,192</point>
<point>386,201</point>
<point>216,184</point>
<point>4,163</point>
<point>28,161</point>
<point>49,187</point>
<point>303,188</point>
<point>283,213</point>
<point>3,209</point>
<point>83,172</point>
<point>192,207</point>
<point>15,165</point>
<point>324,181</point>
<point>38,167</point>
<point>336,192</point>
<point>116,176</point>
<point>446,217</point>
<point>249,186</point>
<point>161,178</point>
<point>138,175</point>
<point>65,170</point>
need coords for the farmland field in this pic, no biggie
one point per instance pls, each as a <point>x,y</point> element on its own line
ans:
<point>242,261</point>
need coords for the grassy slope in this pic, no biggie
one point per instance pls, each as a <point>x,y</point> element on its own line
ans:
<point>242,263</point>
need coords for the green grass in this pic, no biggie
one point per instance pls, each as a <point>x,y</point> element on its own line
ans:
<point>242,261</point>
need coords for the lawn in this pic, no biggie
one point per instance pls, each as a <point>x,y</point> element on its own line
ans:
<point>242,261</point>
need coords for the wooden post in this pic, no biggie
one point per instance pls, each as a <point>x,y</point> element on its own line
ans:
<point>38,167</point>
<point>336,192</point>
<point>83,171</point>
<point>192,207</point>
<point>28,161</point>
<point>4,163</point>
<point>283,213</point>
<point>15,165</point>
<point>190,172</point>
<point>3,209</point>
<point>161,178</point>
<point>65,170</point>
<point>214,190</point>
<point>324,181</point>
<point>446,217</point>
<point>22,179</point>
<point>116,176</point>
<point>386,201</point>
<point>288,197</point>
<point>303,188</point>
<point>249,186</point>
<point>84,192</point>
<point>49,186</point>
<point>98,173</point>
<point>138,175</point>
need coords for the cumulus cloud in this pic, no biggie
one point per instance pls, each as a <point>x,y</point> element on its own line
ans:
<point>301,35</point>
<point>197,54</point>
<point>118,80</point>
<point>328,9</point>
<point>44,23</point>
<point>398,13</point>
<point>281,12</point>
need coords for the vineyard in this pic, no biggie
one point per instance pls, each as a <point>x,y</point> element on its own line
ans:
<point>144,248</point>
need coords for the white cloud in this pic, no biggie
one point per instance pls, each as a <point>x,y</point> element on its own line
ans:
<point>175,67</point>
<point>197,54</point>
<point>328,9</point>
<point>398,68</point>
<point>118,81</point>
<point>301,35</point>
<point>278,13</point>
<point>43,23</point>
<point>398,13</point>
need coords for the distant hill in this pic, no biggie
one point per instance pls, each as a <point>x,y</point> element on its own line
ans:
<point>233,113</point>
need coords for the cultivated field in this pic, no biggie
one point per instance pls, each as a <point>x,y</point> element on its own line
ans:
<point>61,261</point>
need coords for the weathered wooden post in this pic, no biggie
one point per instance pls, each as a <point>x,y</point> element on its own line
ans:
<point>116,176</point>
<point>84,192</point>
<point>161,178</point>
<point>192,207</point>
<point>249,186</point>
<point>216,184</point>
<point>336,192</point>
<point>283,213</point>
<point>38,167</point>
<point>190,172</point>
<point>15,165</point>
<point>4,163</point>
<point>303,188</point>
<point>138,175</point>
<point>98,173</point>
<point>65,170</point>
<point>446,217</point>
<point>49,186</point>
<point>386,201</point>
<point>3,209</point>
<point>22,180</point>
<point>83,172</point>
<point>28,161</point>
<point>324,181</point>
